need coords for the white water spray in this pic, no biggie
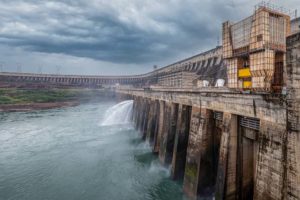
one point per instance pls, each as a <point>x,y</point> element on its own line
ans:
<point>118,114</point>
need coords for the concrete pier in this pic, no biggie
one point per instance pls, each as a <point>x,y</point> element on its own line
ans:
<point>168,134</point>
<point>160,125</point>
<point>181,142</point>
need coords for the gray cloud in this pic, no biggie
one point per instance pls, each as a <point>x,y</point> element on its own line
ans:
<point>117,32</point>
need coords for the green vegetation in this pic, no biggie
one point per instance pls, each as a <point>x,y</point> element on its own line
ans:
<point>22,96</point>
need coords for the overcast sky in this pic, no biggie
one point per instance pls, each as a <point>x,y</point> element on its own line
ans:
<point>111,36</point>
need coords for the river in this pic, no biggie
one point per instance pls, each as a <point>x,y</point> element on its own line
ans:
<point>85,152</point>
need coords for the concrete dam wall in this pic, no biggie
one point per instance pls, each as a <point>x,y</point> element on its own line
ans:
<point>224,143</point>
<point>217,145</point>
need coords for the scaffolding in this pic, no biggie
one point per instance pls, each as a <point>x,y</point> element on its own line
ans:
<point>241,33</point>
<point>275,8</point>
<point>254,48</point>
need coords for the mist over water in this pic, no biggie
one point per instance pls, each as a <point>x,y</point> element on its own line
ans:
<point>79,153</point>
<point>118,114</point>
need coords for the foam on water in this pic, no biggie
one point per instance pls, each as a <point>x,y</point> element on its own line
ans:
<point>144,146</point>
<point>156,167</point>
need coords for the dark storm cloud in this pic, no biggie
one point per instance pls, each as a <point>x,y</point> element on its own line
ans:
<point>117,31</point>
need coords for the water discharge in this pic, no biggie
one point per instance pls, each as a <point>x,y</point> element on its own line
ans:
<point>118,114</point>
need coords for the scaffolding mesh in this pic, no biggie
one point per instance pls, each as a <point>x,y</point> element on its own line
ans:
<point>262,68</point>
<point>274,8</point>
<point>269,30</point>
<point>255,43</point>
<point>277,29</point>
<point>232,72</point>
<point>241,33</point>
<point>227,47</point>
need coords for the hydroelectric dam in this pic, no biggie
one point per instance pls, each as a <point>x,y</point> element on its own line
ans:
<point>226,121</point>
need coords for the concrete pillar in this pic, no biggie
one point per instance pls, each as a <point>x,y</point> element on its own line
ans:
<point>142,114</point>
<point>293,163</point>
<point>270,176</point>
<point>165,129</point>
<point>145,118</point>
<point>137,112</point>
<point>168,136</point>
<point>134,110</point>
<point>293,132</point>
<point>226,178</point>
<point>199,129</point>
<point>181,142</point>
<point>152,121</point>
<point>159,127</point>
<point>154,135</point>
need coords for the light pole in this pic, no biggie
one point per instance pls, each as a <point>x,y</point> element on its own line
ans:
<point>19,68</point>
<point>40,70</point>
<point>1,67</point>
<point>58,68</point>
<point>156,74</point>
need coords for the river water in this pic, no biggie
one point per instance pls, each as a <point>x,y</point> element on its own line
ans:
<point>86,152</point>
